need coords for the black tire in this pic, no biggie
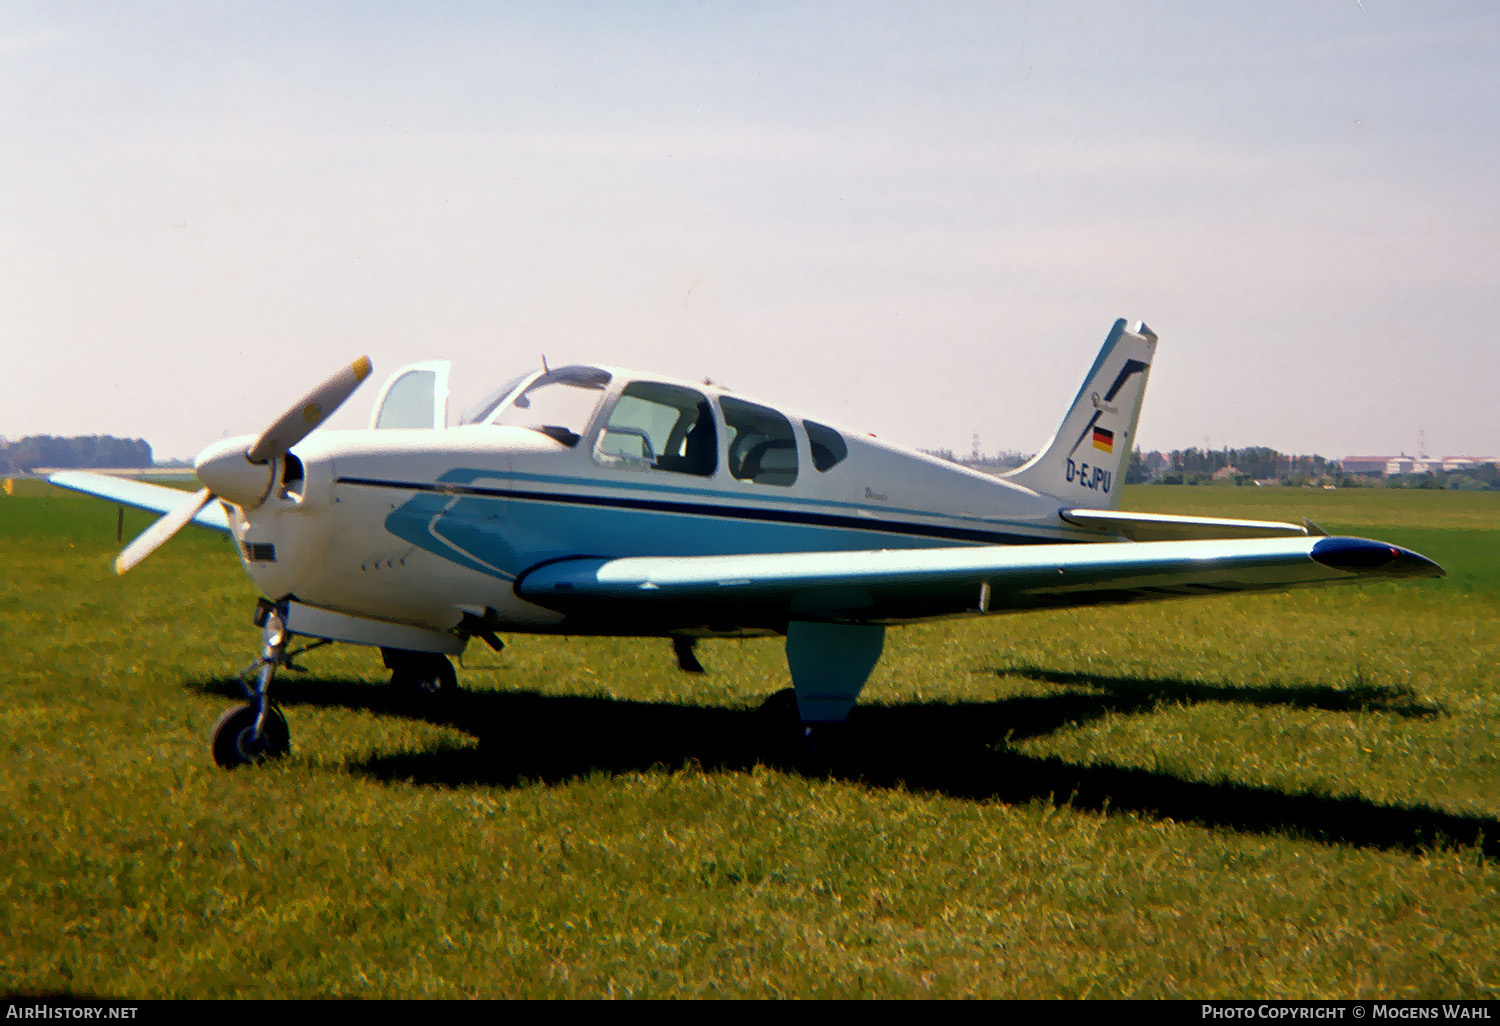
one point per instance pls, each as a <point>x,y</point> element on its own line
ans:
<point>780,710</point>
<point>809,746</point>
<point>426,678</point>
<point>232,744</point>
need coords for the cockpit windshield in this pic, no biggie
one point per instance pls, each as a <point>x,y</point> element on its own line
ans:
<point>480,411</point>
<point>559,403</point>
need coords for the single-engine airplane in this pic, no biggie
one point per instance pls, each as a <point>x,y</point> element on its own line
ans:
<point>598,500</point>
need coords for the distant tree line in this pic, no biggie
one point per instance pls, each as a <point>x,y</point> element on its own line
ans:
<point>1241,466</point>
<point>1484,477</point>
<point>78,451</point>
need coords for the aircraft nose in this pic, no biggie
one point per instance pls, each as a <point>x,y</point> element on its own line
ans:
<point>226,471</point>
<point>1377,559</point>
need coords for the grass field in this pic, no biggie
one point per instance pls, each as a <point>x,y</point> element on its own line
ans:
<point>1292,795</point>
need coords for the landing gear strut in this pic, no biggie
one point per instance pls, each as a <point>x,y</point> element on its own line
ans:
<point>424,675</point>
<point>255,732</point>
<point>830,663</point>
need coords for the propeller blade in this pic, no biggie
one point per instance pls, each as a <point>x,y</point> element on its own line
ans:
<point>151,539</point>
<point>310,411</point>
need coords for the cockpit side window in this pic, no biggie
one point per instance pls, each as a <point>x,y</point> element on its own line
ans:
<point>828,446</point>
<point>560,404</point>
<point>662,427</point>
<point>762,447</point>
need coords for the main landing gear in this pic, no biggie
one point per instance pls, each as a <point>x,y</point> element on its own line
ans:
<point>790,735</point>
<point>830,663</point>
<point>422,675</point>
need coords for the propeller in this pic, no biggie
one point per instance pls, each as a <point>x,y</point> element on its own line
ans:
<point>242,473</point>
<point>310,411</point>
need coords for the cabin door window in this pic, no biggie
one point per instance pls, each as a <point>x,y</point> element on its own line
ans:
<point>660,427</point>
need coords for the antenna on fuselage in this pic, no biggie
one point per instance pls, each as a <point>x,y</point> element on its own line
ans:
<point>545,368</point>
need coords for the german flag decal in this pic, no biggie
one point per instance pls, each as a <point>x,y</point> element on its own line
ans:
<point>1104,439</point>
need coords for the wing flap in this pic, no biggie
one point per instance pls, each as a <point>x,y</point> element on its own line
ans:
<point>1151,527</point>
<point>899,586</point>
<point>139,495</point>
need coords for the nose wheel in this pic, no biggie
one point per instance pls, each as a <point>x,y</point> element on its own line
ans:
<point>249,734</point>
<point>236,742</point>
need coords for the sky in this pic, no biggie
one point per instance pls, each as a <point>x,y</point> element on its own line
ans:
<point>913,219</point>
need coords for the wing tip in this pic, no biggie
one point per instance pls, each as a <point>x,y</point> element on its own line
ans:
<point>1380,559</point>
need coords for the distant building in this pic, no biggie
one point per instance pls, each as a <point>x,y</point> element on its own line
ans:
<point>1379,466</point>
<point>1468,462</point>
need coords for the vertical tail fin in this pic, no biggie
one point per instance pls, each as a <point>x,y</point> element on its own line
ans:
<point>1084,462</point>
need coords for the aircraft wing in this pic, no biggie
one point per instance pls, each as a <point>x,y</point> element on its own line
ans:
<point>1146,527</point>
<point>652,593</point>
<point>139,495</point>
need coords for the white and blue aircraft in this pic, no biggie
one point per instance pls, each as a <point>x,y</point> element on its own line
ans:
<point>598,500</point>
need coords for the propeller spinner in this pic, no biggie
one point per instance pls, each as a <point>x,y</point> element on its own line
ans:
<point>241,473</point>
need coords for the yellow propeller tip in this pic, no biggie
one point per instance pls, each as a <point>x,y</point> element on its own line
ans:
<point>362,368</point>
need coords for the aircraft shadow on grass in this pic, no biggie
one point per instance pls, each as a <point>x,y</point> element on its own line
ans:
<point>960,749</point>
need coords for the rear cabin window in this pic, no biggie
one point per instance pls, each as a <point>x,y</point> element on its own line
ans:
<point>828,446</point>
<point>660,427</point>
<point>762,447</point>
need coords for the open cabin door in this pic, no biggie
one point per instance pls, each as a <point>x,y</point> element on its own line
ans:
<point>416,396</point>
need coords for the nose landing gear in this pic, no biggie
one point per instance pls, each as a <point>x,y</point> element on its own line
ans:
<point>255,732</point>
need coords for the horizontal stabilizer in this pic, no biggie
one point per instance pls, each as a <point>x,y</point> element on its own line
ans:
<point>139,495</point>
<point>1147,527</point>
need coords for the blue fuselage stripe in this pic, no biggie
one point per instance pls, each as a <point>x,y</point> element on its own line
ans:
<point>782,516</point>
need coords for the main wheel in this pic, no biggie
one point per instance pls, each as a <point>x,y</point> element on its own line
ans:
<point>428,677</point>
<point>235,744</point>
<point>780,710</point>
<point>789,737</point>
<point>779,725</point>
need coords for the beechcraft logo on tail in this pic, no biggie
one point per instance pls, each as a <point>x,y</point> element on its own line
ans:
<point>1099,479</point>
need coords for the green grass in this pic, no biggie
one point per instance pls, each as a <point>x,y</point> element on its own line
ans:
<point>1292,795</point>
